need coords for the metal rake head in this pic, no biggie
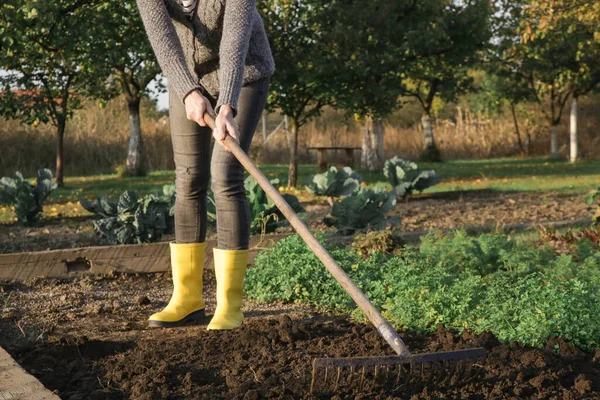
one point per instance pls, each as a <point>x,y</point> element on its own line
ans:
<point>394,373</point>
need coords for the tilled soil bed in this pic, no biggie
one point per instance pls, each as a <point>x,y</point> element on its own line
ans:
<point>86,338</point>
<point>448,210</point>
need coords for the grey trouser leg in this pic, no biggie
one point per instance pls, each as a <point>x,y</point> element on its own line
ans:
<point>194,167</point>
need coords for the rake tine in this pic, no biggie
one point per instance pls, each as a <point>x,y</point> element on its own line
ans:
<point>387,374</point>
<point>433,373</point>
<point>350,375</point>
<point>337,379</point>
<point>326,372</point>
<point>460,370</point>
<point>362,378</point>
<point>437,371</point>
<point>450,367</point>
<point>398,376</point>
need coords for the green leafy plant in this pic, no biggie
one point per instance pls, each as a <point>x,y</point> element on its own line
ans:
<point>133,219</point>
<point>334,183</point>
<point>264,214</point>
<point>27,199</point>
<point>363,211</point>
<point>406,177</point>
<point>590,199</point>
<point>516,290</point>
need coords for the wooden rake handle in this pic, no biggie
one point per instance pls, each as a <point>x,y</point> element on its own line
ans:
<point>383,327</point>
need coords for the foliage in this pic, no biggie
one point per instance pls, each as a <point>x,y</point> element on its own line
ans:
<point>517,291</point>
<point>405,177</point>
<point>547,54</point>
<point>45,77</point>
<point>334,182</point>
<point>133,219</point>
<point>27,199</point>
<point>264,214</point>
<point>363,211</point>
<point>126,65</point>
<point>299,35</point>
<point>590,199</point>
<point>452,39</point>
<point>372,86</point>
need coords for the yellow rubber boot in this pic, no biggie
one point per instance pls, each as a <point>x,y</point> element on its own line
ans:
<point>187,301</point>
<point>230,268</point>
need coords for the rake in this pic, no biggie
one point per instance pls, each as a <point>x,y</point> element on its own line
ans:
<point>405,367</point>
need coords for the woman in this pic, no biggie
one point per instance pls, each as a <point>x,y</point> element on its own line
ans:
<point>214,53</point>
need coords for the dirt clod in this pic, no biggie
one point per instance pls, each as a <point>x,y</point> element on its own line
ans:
<point>142,300</point>
<point>582,384</point>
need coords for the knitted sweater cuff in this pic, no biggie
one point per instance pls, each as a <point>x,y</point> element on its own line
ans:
<point>181,82</point>
<point>230,87</point>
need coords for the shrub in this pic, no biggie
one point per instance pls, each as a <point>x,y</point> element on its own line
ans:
<point>363,211</point>
<point>27,199</point>
<point>406,177</point>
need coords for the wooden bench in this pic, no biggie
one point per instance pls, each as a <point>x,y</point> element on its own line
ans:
<point>322,159</point>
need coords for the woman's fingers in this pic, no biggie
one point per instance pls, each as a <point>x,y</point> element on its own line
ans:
<point>225,126</point>
<point>195,107</point>
<point>233,131</point>
<point>209,109</point>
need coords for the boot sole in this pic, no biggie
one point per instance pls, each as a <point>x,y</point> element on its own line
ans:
<point>195,316</point>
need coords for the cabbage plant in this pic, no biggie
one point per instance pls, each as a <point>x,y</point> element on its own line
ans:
<point>363,211</point>
<point>334,183</point>
<point>27,199</point>
<point>132,219</point>
<point>406,177</point>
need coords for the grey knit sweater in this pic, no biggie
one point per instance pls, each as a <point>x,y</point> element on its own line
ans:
<point>220,48</point>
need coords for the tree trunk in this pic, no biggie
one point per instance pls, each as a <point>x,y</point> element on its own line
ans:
<point>431,152</point>
<point>516,121</point>
<point>573,141</point>
<point>135,153</point>
<point>554,141</point>
<point>293,169</point>
<point>372,157</point>
<point>60,151</point>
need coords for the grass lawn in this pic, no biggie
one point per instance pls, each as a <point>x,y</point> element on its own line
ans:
<point>504,174</point>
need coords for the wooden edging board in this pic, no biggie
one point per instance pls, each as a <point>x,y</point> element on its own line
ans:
<point>145,258</point>
<point>138,258</point>
<point>16,383</point>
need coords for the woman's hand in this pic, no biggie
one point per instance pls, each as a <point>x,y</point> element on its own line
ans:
<point>195,107</point>
<point>225,125</point>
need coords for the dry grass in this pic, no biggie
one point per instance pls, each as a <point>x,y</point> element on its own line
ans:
<point>96,140</point>
<point>461,135</point>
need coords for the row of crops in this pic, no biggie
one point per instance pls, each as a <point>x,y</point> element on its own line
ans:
<point>132,218</point>
<point>519,291</point>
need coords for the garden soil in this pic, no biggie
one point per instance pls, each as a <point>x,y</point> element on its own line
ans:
<point>421,212</point>
<point>86,338</point>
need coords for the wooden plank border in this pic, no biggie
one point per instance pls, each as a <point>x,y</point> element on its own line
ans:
<point>16,383</point>
<point>140,258</point>
<point>146,258</point>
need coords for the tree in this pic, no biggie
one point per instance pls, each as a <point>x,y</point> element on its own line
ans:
<point>453,40</point>
<point>374,53</point>
<point>44,50</point>
<point>578,23</point>
<point>551,54</point>
<point>129,64</point>
<point>300,42</point>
